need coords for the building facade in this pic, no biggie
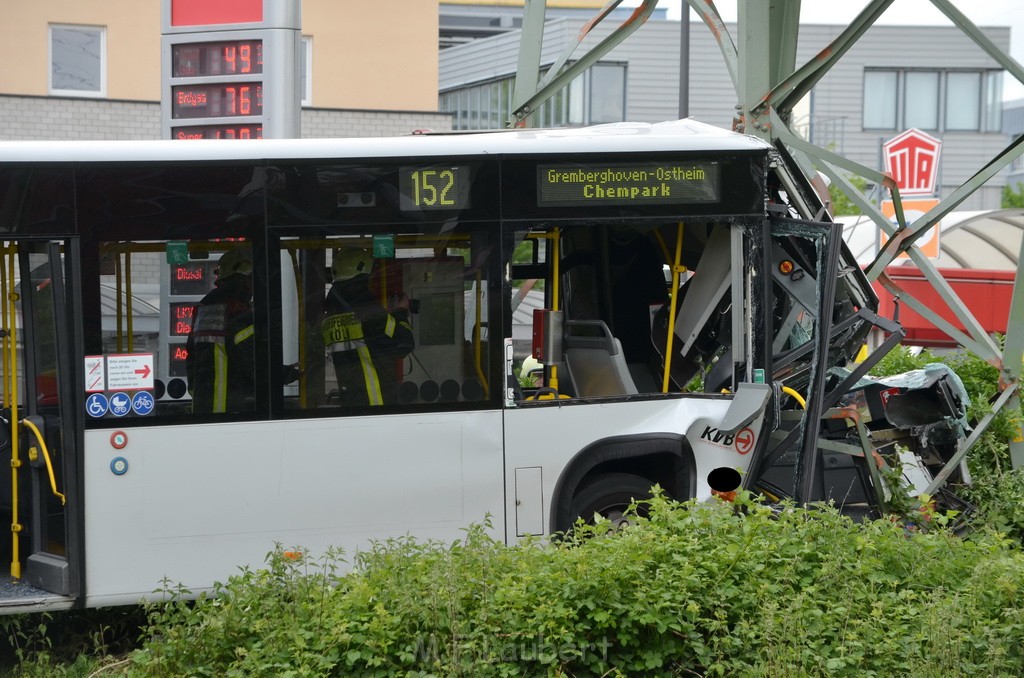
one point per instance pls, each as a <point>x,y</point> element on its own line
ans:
<point>1013,126</point>
<point>930,77</point>
<point>91,70</point>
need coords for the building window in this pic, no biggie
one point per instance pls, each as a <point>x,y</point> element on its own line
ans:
<point>963,101</point>
<point>880,99</point>
<point>993,109</point>
<point>596,96</point>
<point>921,100</point>
<point>607,93</point>
<point>953,101</point>
<point>78,61</point>
<point>305,71</point>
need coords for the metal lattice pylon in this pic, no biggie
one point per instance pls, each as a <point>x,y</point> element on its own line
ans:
<point>768,83</point>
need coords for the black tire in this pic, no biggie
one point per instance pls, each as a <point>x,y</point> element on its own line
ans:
<point>609,496</point>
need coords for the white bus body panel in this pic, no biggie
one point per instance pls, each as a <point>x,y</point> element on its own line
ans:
<point>198,502</point>
<point>550,436</point>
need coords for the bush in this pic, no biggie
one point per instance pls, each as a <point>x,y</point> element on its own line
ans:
<point>696,590</point>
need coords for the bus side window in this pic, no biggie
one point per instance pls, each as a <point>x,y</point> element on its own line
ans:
<point>402,330</point>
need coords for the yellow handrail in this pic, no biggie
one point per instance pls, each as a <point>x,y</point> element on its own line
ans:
<point>46,457</point>
<point>676,270</point>
<point>10,351</point>
<point>796,396</point>
<point>477,344</point>
<point>556,236</point>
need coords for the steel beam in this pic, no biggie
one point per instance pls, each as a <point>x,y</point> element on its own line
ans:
<point>706,10</point>
<point>560,75</point>
<point>531,42</point>
<point>1013,362</point>
<point>792,88</point>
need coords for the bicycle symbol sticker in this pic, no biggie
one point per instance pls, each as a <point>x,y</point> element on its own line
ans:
<point>142,403</point>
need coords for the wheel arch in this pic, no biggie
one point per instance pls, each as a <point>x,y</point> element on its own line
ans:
<point>664,458</point>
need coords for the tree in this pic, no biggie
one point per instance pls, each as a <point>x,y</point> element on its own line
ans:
<point>841,204</point>
<point>1013,196</point>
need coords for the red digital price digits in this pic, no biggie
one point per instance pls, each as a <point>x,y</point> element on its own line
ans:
<point>217,101</point>
<point>181,319</point>
<point>239,57</point>
<point>235,57</point>
<point>219,132</point>
<point>239,100</point>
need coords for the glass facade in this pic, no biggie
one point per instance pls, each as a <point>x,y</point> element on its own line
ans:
<point>934,100</point>
<point>597,96</point>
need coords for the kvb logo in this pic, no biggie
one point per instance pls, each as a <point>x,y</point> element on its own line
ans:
<point>743,441</point>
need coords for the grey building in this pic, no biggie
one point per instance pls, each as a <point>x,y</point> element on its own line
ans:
<point>1013,127</point>
<point>930,77</point>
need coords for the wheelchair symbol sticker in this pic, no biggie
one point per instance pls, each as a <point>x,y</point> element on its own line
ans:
<point>142,403</point>
<point>120,404</point>
<point>96,405</point>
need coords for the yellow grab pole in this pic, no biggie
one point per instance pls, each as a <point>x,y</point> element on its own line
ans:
<point>796,396</point>
<point>555,254</point>
<point>46,458</point>
<point>12,377</point>
<point>477,347</point>
<point>676,270</point>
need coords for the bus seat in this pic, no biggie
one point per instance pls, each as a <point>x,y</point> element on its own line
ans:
<point>595,361</point>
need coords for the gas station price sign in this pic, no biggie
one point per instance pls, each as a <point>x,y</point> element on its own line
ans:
<point>229,57</point>
<point>218,132</point>
<point>217,100</point>
<point>230,70</point>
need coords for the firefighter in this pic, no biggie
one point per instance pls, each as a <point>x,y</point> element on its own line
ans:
<point>220,355</point>
<point>364,340</point>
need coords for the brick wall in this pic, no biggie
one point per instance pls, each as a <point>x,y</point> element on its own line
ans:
<point>56,118</point>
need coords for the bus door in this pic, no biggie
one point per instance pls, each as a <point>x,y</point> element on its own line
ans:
<point>41,435</point>
<point>591,421</point>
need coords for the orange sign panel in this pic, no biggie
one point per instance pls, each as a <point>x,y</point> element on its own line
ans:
<point>912,210</point>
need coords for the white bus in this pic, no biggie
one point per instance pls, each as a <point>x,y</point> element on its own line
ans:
<point>623,239</point>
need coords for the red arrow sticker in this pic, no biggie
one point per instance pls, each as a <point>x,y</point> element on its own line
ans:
<point>745,440</point>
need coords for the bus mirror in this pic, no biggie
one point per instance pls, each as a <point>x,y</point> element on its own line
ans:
<point>547,336</point>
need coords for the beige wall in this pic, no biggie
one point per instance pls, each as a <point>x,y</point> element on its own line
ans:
<point>133,43</point>
<point>371,55</point>
<point>380,54</point>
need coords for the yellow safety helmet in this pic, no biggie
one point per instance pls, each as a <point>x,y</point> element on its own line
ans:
<point>349,262</point>
<point>237,261</point>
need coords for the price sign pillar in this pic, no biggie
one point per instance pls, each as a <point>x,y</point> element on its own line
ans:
<point>230,70</point>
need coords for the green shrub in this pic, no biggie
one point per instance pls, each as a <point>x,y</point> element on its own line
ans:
<point>696,590</point>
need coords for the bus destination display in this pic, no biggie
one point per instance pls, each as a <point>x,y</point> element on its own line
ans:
<point>231,57</point>
<point>639,183</point>
<point>434,187</point>
<point>217,100</point>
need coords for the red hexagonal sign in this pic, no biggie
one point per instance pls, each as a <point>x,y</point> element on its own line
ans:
<point>912,158</point>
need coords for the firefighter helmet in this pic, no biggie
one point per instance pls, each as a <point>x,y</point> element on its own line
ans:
<point>237,261</point>
<point>349,262</point>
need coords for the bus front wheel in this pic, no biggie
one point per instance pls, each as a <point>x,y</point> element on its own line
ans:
<point>609,496</point>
